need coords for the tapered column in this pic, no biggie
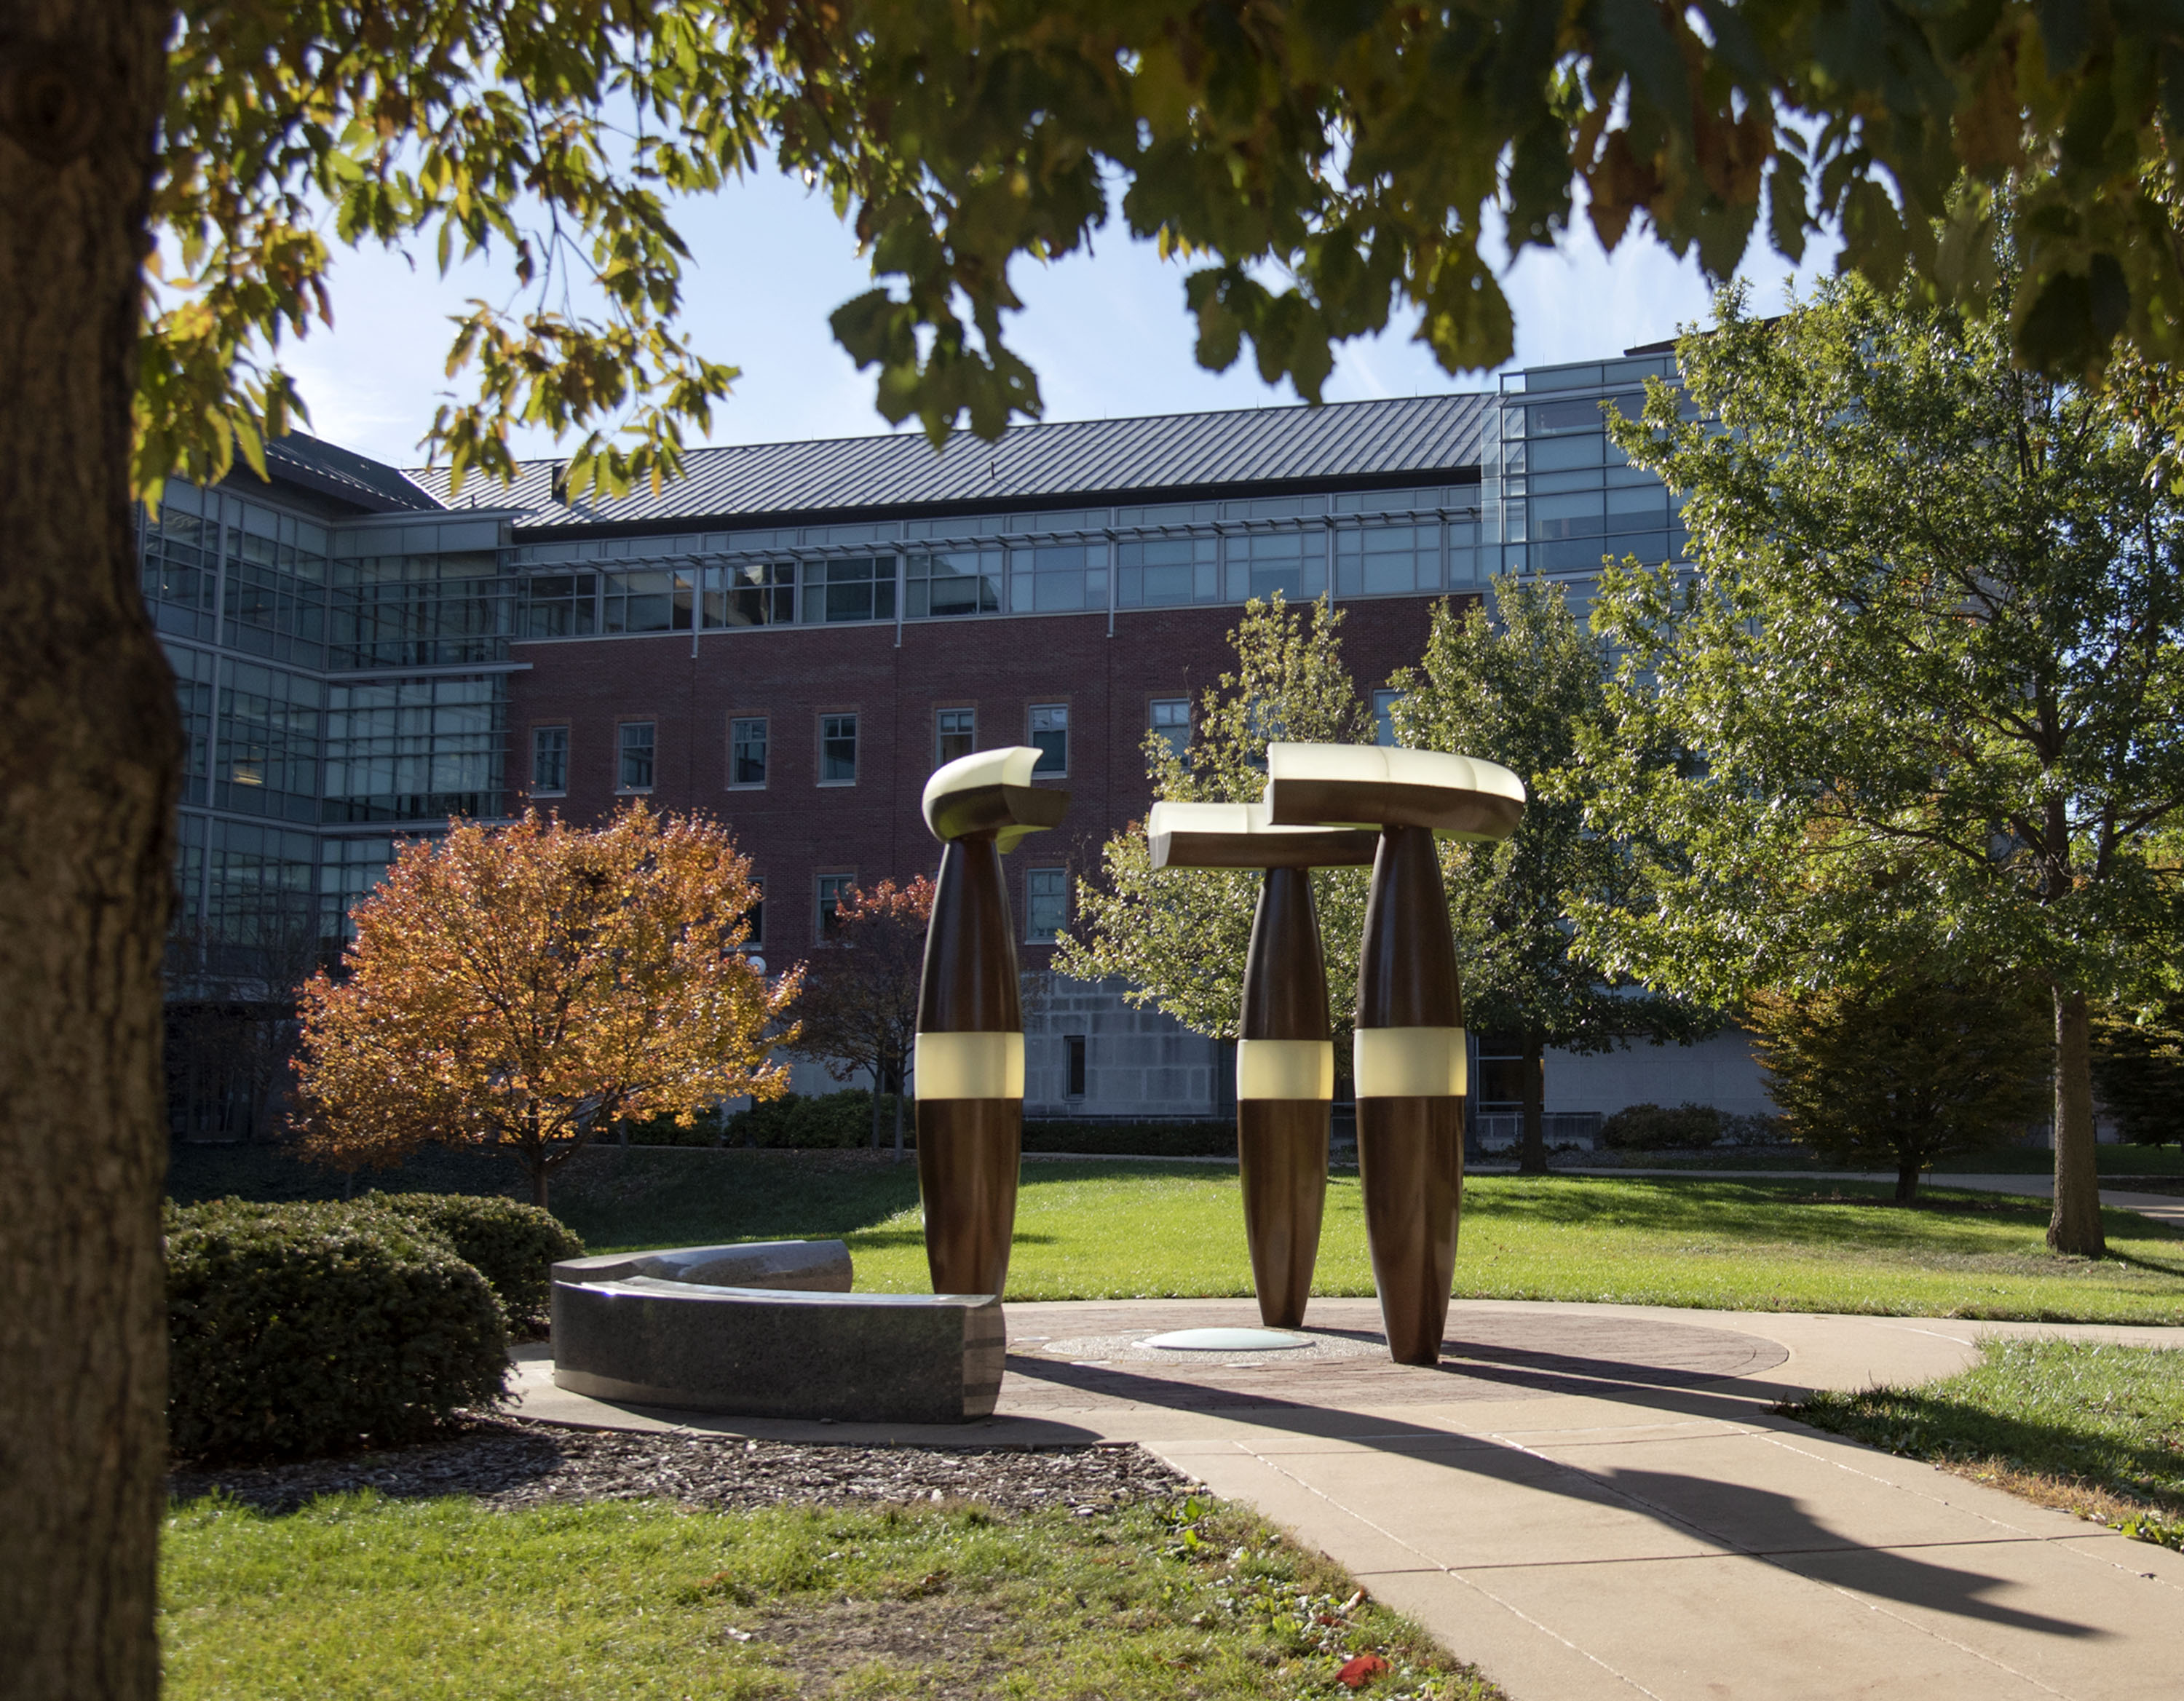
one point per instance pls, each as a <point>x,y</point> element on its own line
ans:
<point>1285,1092</point>
<point>969,1073</point>
<point>1410,1068</point>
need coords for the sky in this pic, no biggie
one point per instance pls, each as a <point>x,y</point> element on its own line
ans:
<point>1107,332</point>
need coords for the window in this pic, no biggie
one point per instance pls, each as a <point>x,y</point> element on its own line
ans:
<point>635,773</point>
<point>1164,571</point>
<point>559,605</point>
<point>1383,716</point>
<point>1046,904</point>
<point>747,752</point>
<point>1260,563</point>
<point>838,749</point>
<point>833,889</point>
<point>1388,560</point>
<point>858,588</point>
<point>1171,718</point>
<point>1073,1087</point>
<point>1049,735</point>
<point>954,733</point>
<point>549,758</point>
<point>953,581</point>
<point>755,917</point>
<point>761,593</point>
<point>1055,578</point>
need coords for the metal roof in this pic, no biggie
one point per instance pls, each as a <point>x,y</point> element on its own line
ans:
<point>1162,456</point>
<point>351,480</point>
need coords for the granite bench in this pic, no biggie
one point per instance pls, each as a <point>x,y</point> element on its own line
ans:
<point>770,1329</point>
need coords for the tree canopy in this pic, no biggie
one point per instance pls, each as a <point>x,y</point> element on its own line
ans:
<point>1318,169</point>
<point>1927,681</point>
<point>523,988</point>
<point>858,1007</point>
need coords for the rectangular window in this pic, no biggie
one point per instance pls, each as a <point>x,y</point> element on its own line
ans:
<point>1046,904</point>
<point>955,581</point>
<point>1074,1087</point>
<point>755,917</point>
<point>838,749</point>
<point>747,752</point>
<point>859,588</point>
<point>549,758</point>
<point>635,773</point>
<point>1383,716</point>
<point>761,593</point>
<point>834,888</point>
<point>1049,735</point>
<point>1171,718</point>
<point>954,733</point>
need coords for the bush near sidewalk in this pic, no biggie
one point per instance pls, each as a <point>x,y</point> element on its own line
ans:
<point>300,1328</point>
<point>514,1246</point>
<point>2090,1427</point>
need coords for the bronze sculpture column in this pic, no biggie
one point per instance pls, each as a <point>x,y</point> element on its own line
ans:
<point>969,1069</point>
<point>1409,1055</point>
<point>1284,1059</point>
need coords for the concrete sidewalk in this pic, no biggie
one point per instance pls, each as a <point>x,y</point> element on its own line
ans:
<point>1596,1501</point>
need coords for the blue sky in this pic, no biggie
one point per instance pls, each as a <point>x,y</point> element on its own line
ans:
<point>1107,332</point>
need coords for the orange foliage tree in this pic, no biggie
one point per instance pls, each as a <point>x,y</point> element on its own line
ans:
<point>521,988</point>
<point>858,1007</point>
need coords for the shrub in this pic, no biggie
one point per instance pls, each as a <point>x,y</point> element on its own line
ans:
<point>511,1245</point>
<point>303,1329</point>
<point>825,1120</point>
<point>1654,1127</point>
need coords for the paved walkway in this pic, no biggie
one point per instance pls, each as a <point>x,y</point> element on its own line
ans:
<point>1597,1501</point>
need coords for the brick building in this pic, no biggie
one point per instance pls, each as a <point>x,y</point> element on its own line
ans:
<point>793,636</point>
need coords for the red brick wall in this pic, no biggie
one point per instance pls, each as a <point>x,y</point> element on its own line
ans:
<point>795,829</point>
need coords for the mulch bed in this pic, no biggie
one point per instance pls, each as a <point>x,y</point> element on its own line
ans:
<point>507,1462</point>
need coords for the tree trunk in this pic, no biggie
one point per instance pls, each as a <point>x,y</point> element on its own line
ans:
<point>2074,1226</point>
<point>898,1125</point>
<point>539,1183</point>
<point>90,760</point>
<point>1532,1156</point>
<point>879,1077</point>
<point>1907,1180</point>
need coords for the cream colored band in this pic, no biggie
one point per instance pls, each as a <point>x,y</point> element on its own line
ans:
<point>1411,1063</point>
<point>1284,1069</point>
<point>970,1066</point>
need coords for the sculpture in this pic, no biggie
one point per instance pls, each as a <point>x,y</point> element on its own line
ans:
<point>969,1052</point>
<point>1284,1058</point>
<point>1409,1056</point>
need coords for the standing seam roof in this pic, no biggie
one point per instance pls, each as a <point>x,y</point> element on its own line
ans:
<point>1163,456</point>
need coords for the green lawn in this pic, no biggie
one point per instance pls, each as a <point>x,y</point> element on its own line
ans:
<point>2092,1426</point>
<point>2011,1160</point>
<point>447,1600</point>
<point>1116,1231</point>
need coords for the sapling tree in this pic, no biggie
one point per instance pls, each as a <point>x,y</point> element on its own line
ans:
<point>858,1009</point>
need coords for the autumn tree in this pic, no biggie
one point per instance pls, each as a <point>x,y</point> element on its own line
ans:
<point>1519,682</point>
<point>1179,937</point>
<point>520,988</point>
<point>1927,681</point>
<point>1316,169</point>
<point>1903,1069</point>
<point>857,1012</point>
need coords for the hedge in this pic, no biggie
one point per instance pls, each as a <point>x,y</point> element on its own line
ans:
<point>303,1329</point>
<point>1192,1139</point>
<point>1653,1128</point>
<point>512,1245</point>
<point>826,1119</point>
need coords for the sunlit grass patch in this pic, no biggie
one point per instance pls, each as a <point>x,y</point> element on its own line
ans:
<point>359,1596</point>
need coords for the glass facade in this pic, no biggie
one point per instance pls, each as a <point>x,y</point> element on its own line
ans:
<point>323,667</point>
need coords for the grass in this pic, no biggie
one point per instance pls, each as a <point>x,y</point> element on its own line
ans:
<point>2122,1161</point>
<point>2091,1427</point>
<point>1120,1231</point>
<point>1117,1230</point>
<point>445,1600</point>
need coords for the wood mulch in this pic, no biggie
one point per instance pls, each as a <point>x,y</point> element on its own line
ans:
<point>507,1462</point>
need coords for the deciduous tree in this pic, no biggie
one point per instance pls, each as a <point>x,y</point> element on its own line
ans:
<point>521,988</point>
<point>1518,683</point>
<point>1905,1069</point>
<point>858,1009</point>
<point>1179,937</point>
<point>1928,679</point>
<point>2138,1069</point>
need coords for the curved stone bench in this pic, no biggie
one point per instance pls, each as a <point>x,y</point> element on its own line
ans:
<point>770,1330</point>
